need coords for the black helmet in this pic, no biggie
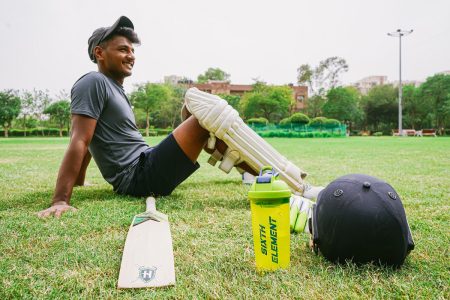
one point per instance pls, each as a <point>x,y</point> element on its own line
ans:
<point>361,218</point>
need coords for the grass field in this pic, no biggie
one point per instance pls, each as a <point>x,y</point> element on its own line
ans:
<point>78,256</point>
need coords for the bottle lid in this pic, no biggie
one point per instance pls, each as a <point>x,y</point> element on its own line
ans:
<point>267,185</point>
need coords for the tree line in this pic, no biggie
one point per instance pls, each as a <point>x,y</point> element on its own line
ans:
<point>158,105</point>
<point>424,107</point>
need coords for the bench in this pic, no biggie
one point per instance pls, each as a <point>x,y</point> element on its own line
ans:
<point>408,132</point>
<point>426,132</point>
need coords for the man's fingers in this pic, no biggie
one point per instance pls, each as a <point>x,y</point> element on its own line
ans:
<point>58,213</point>
<point>45,213</point>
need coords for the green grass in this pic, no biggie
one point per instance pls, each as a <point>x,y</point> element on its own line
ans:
<point>78,256</point>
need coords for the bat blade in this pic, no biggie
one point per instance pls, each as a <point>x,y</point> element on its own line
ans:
<point>147,259</point>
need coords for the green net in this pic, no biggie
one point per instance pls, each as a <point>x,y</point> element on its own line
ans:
<point>299,131</point>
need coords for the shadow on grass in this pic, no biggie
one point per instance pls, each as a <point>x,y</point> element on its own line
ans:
<point>214,193</point>
<point>42,199</point>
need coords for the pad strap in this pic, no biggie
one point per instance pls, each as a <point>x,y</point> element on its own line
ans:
<point>215,157</point>
<point>230,159</point>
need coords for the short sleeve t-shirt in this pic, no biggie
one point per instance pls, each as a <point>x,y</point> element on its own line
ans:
<point>117,142</point>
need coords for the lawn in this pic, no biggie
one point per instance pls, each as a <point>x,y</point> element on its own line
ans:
<point>78,256</point>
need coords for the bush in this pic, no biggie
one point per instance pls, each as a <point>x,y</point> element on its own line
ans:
<point>165,131</point>
<point>318,122</point>
<point>34,132</point>
<point>258,121</point>
<point>285,123</point>
<point>331,123</point>
<point>299,118</point>
<point>156,131</point>
<point>296,134</point>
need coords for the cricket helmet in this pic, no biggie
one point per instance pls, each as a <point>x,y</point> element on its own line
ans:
<point>361,218</point>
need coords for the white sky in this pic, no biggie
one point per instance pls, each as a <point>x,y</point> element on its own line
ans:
<point>44,43</point>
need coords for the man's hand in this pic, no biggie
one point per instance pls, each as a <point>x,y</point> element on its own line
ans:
<point>57,209</point>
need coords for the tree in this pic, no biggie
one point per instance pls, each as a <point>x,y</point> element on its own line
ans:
<point>9,109</point>
<point>436,91</point>
<point>27,109</point>
<point>315,105</point>
<point>148,97</point>
<point>324,76</point>
<point>169,114</point>
<point>414,109</point>
<point>33,105</point>
<point>233,100</point>
<point>213,74</point>
<point>60,112</point>
<point>270,102</point>
<point>380,107</point>
<point>36,101</point>
<point>342,104</point>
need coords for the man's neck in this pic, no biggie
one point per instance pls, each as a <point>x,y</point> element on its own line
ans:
<point>109,75</point>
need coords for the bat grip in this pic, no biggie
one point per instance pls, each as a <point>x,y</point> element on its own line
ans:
<point>150,204</point>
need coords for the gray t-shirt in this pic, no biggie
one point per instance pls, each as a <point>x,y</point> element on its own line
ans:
<point>117,143</point>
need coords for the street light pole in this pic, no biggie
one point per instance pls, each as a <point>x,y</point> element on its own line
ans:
<point>399,33</point>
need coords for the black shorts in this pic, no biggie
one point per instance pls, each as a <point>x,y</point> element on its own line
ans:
<point>160,170</point>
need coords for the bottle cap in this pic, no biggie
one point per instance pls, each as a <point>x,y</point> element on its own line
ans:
<point>268,186</point>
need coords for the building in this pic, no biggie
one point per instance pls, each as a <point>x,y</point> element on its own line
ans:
<point>299,93</point>
<point>365,84</point>
<point>416,83</point>
<point>172,79</point>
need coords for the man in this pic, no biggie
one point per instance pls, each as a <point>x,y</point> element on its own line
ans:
<point>103,125</point>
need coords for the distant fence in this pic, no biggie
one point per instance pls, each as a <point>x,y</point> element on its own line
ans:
<point>299,131</point>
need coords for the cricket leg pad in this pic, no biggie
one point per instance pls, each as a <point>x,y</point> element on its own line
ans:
<point>244,145</point>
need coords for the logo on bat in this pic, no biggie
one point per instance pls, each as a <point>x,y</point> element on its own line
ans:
<point>147,274</point>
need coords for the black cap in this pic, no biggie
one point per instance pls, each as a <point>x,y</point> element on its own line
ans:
<point>102,33</point>
<point>361,218</point>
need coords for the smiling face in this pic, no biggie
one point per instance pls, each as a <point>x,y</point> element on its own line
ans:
<point>115,58</point>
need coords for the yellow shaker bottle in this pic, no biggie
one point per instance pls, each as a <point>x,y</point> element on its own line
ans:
<point>269,202</point>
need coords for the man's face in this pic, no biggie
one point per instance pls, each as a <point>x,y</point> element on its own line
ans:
<point>116,57</point>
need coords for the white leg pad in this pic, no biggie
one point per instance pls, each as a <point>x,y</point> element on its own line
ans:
<point>244,145</point>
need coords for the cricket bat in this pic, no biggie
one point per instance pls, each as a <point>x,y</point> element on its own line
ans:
<point>147,259</point>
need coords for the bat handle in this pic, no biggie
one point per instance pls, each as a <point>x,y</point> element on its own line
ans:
<point>150,204</point>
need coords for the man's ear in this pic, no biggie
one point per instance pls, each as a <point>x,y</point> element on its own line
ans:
<point>98,53</point>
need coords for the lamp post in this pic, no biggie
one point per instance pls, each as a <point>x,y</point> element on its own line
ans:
<point>399,33</point>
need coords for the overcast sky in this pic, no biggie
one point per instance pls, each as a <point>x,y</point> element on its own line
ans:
<point>44,43</point>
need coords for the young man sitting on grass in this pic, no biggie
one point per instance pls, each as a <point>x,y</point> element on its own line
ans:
<point>103,125</point>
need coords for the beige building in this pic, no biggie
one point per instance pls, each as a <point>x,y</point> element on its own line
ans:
<point>416,83</point>
<point>172,79</point>
<point>365,84</point>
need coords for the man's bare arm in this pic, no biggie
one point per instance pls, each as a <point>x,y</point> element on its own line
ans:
<point>82,173</point>
<point>82,131</point>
